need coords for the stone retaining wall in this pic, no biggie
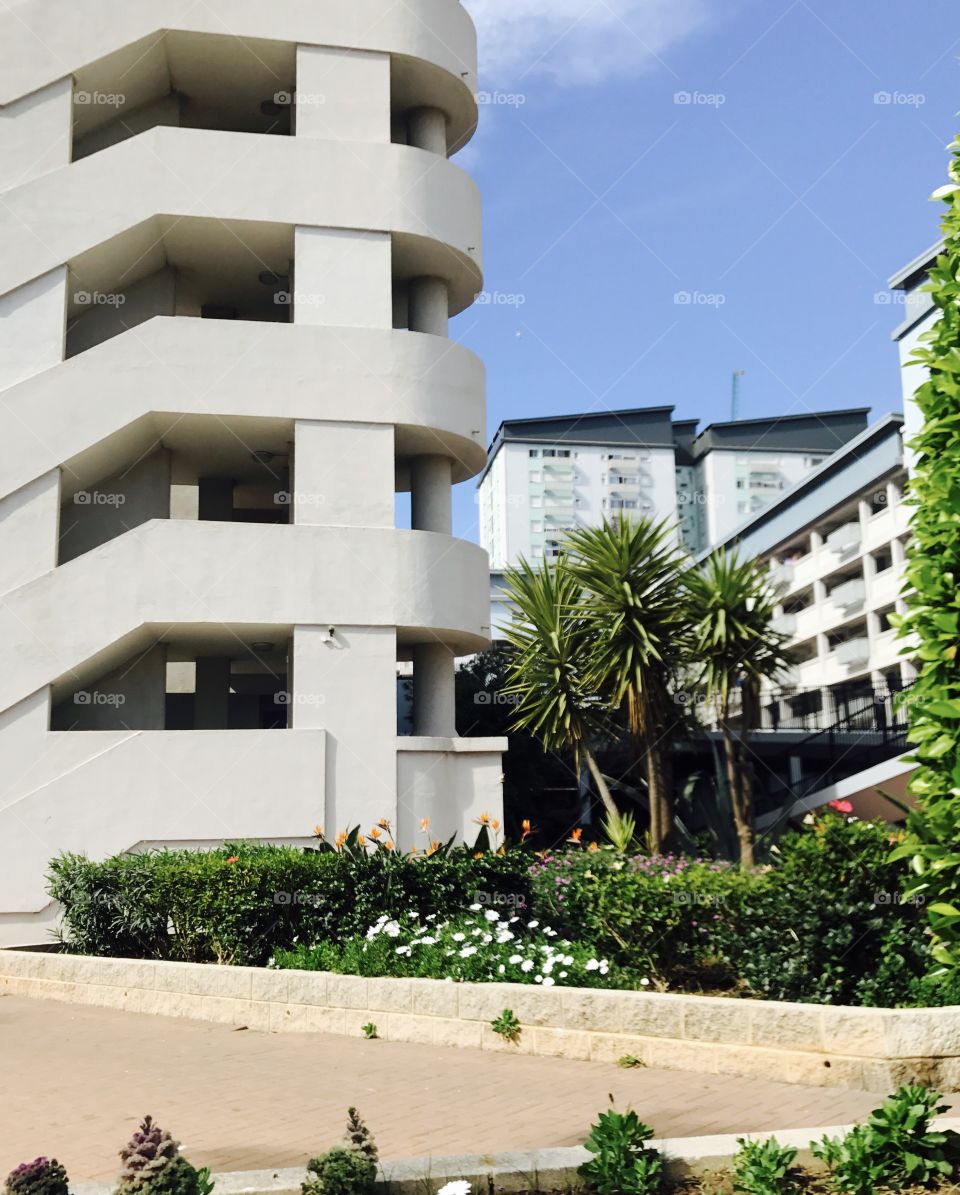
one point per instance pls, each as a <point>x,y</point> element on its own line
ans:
<point>871,1049</point>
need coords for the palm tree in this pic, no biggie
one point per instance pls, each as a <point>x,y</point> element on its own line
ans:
<point>547,672</point>
<point>734,648</point>
<point>630,573</point>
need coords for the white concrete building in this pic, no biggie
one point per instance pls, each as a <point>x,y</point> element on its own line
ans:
<point>919,316</point>
<point>230,242</point>
<point>836,545</point>
<point>547,476</point>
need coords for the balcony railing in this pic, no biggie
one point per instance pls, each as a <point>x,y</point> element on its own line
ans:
<point>850,593</point>
<point>853,651</point>
<point>844,538</point>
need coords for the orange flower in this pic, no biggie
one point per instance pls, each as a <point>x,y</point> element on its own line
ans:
<point>374,833</point>
<point>434,847</point>
<point>318,831</point>
<point>388,845</point>
<point>593,847</point>
<point>413,850</point>
<point>482,820</point>
<point>361,841</point>
<point>341,839</point>
<point>478,855</point>
<point>495,823</point>
<point>576,836</point>
<point>234,859</point>
<point>424,823</point>
<point>383,824</point>
<point>525,826</point>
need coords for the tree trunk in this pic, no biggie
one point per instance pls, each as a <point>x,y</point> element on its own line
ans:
<point>742,815</point>
<point>658,793</point>
<point>602,788</point>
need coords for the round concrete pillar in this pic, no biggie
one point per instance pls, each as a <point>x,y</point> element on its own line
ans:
<point>427,129</point>
<point>429,306</point>
<point>434,709</point>
<point>431,482</point>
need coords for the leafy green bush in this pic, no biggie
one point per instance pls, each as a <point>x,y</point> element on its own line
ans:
<point>622,1163</point>
<point>237,904</point>
<point>42,1176</point>
<point>826,924</point>
<point>764,1168</point>
<point>895,1148</point>
<point>345,1170</point>
<point>479,947</point>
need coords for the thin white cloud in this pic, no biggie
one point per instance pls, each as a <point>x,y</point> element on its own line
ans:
<point>581,41</point>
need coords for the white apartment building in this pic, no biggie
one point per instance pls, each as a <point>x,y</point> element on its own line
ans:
<point>919,316</point>
<point>547,476</point>
<point>230,243</point>
<point>836,546</point>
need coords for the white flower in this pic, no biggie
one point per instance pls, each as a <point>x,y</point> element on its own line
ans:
<point>515,958</point>
<point>392,929</point>
<point>428,941</point>
<point>486,939</point>
<point>563,974</point>
<point>492,915</point>
<point>403,950</point>
<point>527,965</point>
<point>475,908</point>
<point>538,979</point>
<point>551,933</point>
<point>533,924</point>
<point>645,983</point>
<point>567,960</point>
<point>458,937</point>
<point>467,951</point>
<point>548,981</point>
<point>604,966</point>
<point>476,932</point>
<point>459,1186</point>
<point>501,969</point>
<point>413,916</point>
<point>592,965</point>
<point>504,935</point>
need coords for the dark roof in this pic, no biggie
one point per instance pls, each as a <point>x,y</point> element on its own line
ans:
<point>820,431</point>
<point>912,273</point>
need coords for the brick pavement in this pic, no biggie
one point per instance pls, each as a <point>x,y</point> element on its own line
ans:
<point>75,1080</point>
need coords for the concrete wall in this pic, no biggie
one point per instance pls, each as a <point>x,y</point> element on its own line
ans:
<point>343,474</point>
<point>116,505</point>
<point>132,697</point>
<point>866,1048</point>
<point>36,133</point>
<point>33,327</point>
<point>125,309</point>
<point>166,111</point>
<point>29,531</point>
<point>342,94</point>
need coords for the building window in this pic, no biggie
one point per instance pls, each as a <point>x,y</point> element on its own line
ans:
<point>534,452</point>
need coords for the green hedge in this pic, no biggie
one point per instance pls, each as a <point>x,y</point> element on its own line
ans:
<point>826,923</point>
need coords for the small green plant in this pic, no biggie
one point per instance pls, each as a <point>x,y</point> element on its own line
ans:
<point>153,1165</point>
<point>896,1147</point>
<point>507,1025</point>
<point>630,1061</point>
<point>42,1176</point>
<point>764,1168</point>
<point>369,1030</point>
<point>349,1169</point>
<point>621,831</point>
<point>622,1164</point>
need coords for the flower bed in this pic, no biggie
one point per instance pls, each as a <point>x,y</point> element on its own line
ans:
<point>826,924</point>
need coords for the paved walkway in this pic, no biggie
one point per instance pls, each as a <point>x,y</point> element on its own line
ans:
<point>76,1079</point>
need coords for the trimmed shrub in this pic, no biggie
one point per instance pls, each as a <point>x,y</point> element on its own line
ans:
<point>42,1176</point>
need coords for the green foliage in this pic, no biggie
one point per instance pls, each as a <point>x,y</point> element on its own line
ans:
<point>345,1170</point>
<point>369,1030</point>
<point>180,1178</point>
<point>621,831</point>
<point>237,904</point>
<point>932,622</point>
<point>507,1025</point>
<point>630,1062</point>
<point>150,1151</point>
<point>622,1163</point>
<point>764,1168</point>
<point>42,1176</point>
<point>895,1148</point>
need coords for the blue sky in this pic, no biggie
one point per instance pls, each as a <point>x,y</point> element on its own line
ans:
<point>780,198</point>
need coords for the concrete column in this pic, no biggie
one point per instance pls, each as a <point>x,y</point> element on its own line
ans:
<point>427,129</point>
<point>344,474</point>
<point>342,95</point>
<point>431,483</point>
<point>33,327</point>
<point>215,499</point>
<point>29,531</point>
<point>898,553</point>
<point>344,682</point>
<point>429,306</point>
<point>401,306</point>
<point>434,709</point>
<point>343,278</point>
<point>211,709</point>
<point>36,134</point>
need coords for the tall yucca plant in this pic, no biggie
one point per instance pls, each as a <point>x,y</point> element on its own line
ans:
<point>932,623</point>
<point>548,673</point>
<point>629,571</point>
<point>733,649</point>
